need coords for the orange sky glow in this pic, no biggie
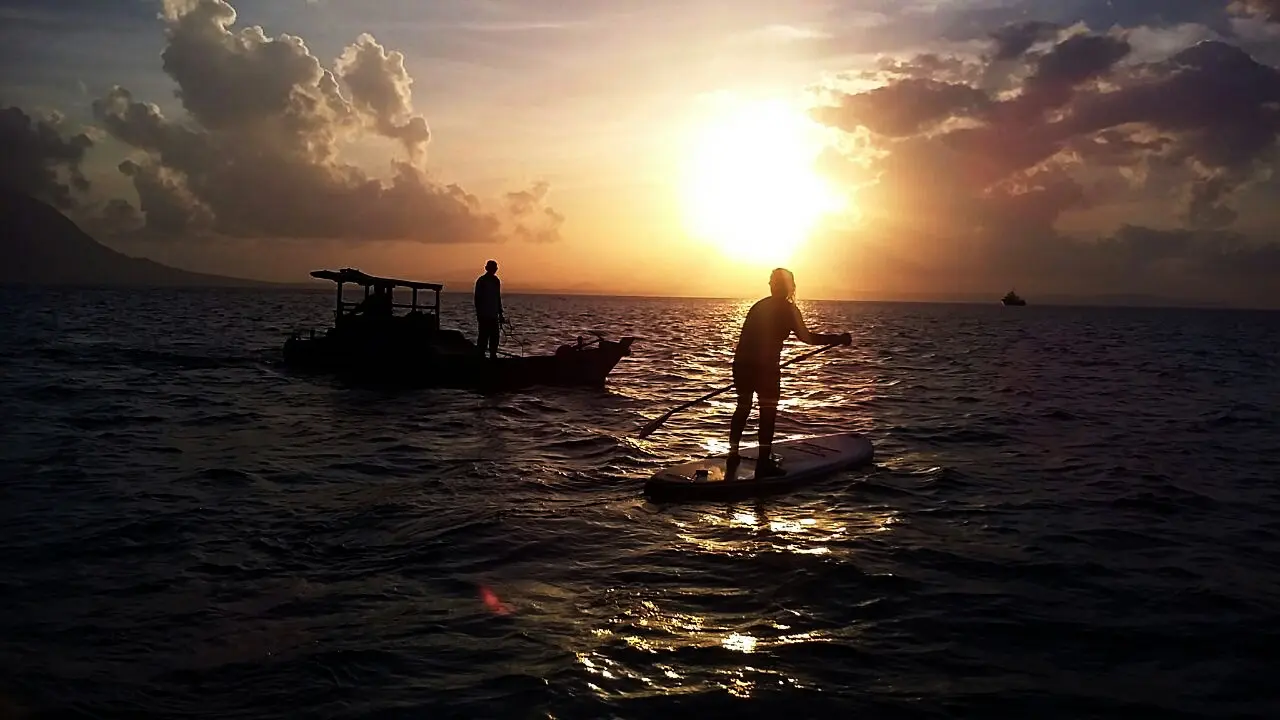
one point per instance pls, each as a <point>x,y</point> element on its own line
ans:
<point>946,148</point>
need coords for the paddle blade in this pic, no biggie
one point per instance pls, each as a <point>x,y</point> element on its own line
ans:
<point>653,425</point>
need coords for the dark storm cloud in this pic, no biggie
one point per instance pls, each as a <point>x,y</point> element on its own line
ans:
<point>905,107</point>
<point>1012,136</point>
<point>1218,104</point>
<point>997,172</point>
<point>38,159</point>
<point>1016,38</point>
<point>259,156</point>
<point>1077,59</point>
<point>983,22</point>
<point>911,104</point>
<point>1117,147</point>
<point>1061,70</point>
<point>1207,87</point>
<point>1206,208</point>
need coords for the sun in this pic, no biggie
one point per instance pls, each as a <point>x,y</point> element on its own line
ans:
<point>750,185</point>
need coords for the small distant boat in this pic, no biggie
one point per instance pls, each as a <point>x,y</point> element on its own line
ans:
<point>1012,298</point>
<point>412,349</point>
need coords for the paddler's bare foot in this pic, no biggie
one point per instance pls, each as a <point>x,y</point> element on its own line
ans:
<point>768,466</point>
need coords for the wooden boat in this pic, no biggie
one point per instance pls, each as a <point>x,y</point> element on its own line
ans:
<point>372,343</point>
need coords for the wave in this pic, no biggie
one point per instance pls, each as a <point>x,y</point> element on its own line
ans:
<point>192,534</point>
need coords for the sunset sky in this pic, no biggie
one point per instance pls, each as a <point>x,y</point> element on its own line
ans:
<point>879,148</point>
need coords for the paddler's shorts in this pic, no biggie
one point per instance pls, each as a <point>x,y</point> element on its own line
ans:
<point>763,380</point>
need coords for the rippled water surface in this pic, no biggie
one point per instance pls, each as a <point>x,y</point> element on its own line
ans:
<point>1073,513</point>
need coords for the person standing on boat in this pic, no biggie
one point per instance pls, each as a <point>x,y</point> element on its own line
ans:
<point>377,304</point>
<point>755,363</point>
<point>488,300</point>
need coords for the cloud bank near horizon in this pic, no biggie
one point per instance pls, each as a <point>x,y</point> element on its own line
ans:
<point>968,165</point>
<point>260,152</point>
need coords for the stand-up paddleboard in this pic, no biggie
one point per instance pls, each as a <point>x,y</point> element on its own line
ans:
<point>802,460</point>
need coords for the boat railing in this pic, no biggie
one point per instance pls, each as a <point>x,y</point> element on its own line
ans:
<point>424,309</point>
<point>426,315</point>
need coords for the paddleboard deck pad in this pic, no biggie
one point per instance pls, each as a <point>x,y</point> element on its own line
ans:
<point>801,459</point>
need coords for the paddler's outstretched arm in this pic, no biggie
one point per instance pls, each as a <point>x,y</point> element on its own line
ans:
<point>805,335</point>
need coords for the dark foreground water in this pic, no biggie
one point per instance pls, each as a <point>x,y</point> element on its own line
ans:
<point>1074,513</point>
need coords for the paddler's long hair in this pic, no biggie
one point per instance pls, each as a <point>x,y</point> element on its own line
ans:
<point>783,284</point>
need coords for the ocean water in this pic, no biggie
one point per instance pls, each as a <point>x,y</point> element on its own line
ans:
<point>1074,513</point>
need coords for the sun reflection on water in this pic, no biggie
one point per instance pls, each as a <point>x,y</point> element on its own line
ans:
<point>649,627</point>
<point>740,643</point>
<point>613,678</point>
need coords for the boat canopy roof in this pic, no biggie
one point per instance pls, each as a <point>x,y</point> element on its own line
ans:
<point>351,275</point>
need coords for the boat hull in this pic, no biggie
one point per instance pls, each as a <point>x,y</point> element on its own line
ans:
<point>456,365</point>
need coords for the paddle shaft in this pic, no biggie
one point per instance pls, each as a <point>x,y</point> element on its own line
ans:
<point>657,423</point>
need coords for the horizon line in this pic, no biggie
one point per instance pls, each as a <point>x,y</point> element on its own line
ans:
<point>1052,300</point>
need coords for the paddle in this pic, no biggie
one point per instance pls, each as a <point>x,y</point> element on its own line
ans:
<point>657,422</point>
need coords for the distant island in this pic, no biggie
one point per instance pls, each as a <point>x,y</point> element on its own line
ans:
<point>41,246</point>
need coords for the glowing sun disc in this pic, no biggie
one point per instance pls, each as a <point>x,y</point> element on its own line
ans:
<point>750,185</point>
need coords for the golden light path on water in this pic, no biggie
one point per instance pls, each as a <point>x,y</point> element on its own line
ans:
<point>624,658</point>
<point>634,625</point>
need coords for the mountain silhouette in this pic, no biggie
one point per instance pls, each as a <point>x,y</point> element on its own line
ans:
<point>41,246</point>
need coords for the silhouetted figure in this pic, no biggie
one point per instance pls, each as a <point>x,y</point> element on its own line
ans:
<point>488,300</point>
<point>377,304</point>
<point>755,363</point>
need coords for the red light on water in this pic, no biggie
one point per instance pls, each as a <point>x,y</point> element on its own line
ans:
<point>492,602</point>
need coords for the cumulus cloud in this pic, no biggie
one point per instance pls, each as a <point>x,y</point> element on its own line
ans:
<point>381,91</point>
<point>535,221</point>
<point>39,159</point>
<point>991,172</point>
<point>259,153</point>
